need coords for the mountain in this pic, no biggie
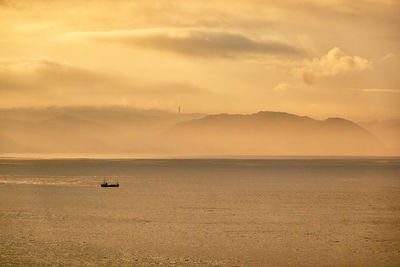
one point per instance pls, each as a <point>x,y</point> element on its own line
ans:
<point>127,130</point>
<point>387,131</point>
<point>267,122</point>
<point>85,129</point>
<point>269,132</point>
<point>7,144</point>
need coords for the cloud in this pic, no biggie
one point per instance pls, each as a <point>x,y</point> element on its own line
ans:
<point>309,77</point>
<point>332,64</point>
<point>189,42</point>
<point>388,57</point>
<point>33,27</point>
<point>281,87</point>
<point>13,4</point>
<point>41,74</point>
<point>379,90</point>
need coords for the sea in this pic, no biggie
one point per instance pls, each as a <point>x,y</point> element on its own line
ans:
<point>199,211</point>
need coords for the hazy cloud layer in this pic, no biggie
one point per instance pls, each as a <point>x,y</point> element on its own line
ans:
<point>50,80</point>
<point>160,53</point>
<point>190,42</point>
<point>42,74</point>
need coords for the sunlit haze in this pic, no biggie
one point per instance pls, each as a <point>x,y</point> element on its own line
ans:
<point>315,58</point>
<point>319,59</point>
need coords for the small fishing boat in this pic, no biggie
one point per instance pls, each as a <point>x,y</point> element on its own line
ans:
<point>105,184</point>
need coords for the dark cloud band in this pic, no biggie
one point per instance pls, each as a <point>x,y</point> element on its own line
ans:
<point>192,42</point>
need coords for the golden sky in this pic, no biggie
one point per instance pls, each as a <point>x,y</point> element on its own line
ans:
<point>310,57</point>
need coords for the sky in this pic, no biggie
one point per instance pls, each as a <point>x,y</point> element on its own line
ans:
<point>333,58</point>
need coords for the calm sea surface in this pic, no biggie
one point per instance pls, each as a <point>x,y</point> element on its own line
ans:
<point>200,212</point>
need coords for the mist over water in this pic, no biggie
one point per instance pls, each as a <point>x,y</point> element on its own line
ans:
<point>201,212</point>
<point>150,133</point>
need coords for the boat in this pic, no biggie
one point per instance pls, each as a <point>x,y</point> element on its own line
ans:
<point>105,184</point>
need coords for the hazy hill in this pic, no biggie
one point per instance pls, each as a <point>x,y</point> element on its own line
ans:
<point>275,133</point>
<point>128,130</point>
<point>271,122</point>
<point>84,129</point>
<point>387,131</point>
<point>7,144</point>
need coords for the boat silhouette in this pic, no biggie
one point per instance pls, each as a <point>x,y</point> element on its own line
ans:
<point>105,184</point>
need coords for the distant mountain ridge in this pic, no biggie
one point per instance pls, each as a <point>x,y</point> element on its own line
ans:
<point>275,133</point>
<point>271,118</point>
<point>127,130</point>
<point>387,131</point>
<point>84,129</point>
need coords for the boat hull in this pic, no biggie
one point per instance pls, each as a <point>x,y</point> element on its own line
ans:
<point>109,185</point>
